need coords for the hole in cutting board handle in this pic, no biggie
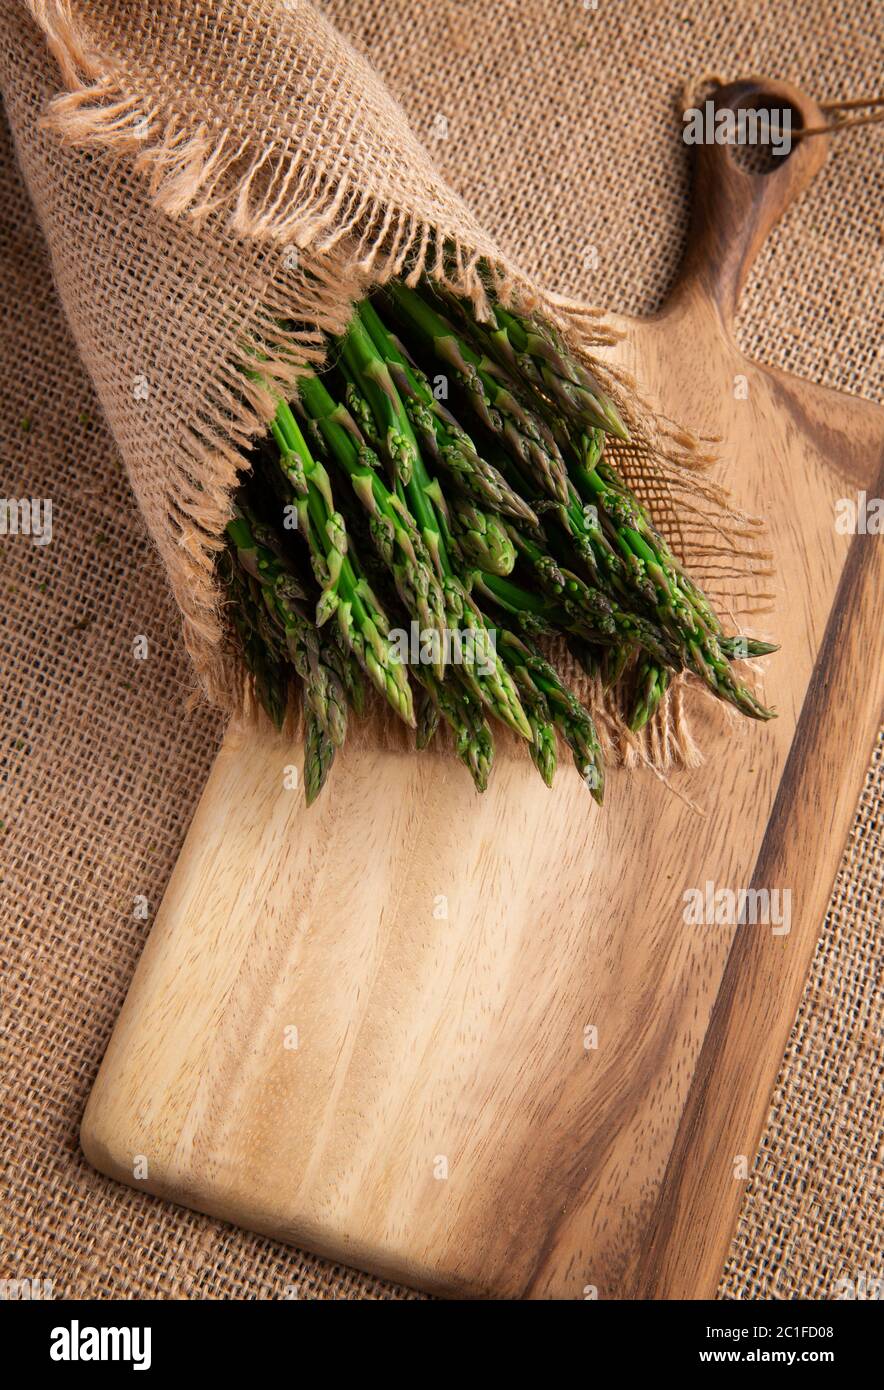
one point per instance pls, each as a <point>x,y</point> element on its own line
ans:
<point>754,171</point>
<point>765,158</point>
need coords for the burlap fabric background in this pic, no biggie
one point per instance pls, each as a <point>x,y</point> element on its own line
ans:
<point>228,211</point>
<point>101,765</point>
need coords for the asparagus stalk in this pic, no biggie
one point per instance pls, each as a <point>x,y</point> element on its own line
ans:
<point>543,749</point>
<point>651,683</point>
<point>485,675</point>
<point>482,539</point>
<point>319,752</point>
<point>534,350</point>
<point>473,740</point>
<point>588,612</point>
<point>349,673</point>
<point>368,374</point>
<point>267,670</point>
<point>448,445</point>
<point>393,530</point>
<point>361,620</point>
<point>284,597</point>
<point>653,568</point>
<point>261,650</point>
<point>573,721</point>
<point>492,395</point>
<point>427,720</point>
<point>744,648</point>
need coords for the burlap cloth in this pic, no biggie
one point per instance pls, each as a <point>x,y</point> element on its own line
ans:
<point>225,212</point>
<point>102,766</point>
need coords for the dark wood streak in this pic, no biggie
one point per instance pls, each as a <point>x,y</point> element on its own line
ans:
<point>704,1104</point>
<point>850,464</point>
<point>581,1176</point>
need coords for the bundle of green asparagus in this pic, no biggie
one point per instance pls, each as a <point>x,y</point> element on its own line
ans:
<point>431,506</point>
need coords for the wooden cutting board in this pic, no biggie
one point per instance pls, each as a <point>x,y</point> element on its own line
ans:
<point>469,1042</point>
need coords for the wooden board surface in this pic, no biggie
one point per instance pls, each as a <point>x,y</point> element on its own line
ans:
<point>518,1071</point>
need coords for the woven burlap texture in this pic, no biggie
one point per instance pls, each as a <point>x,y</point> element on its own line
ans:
<point>102,767</point>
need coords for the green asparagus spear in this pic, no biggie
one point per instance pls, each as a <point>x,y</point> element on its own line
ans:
<point>745,648</point>
<point>284,599</point>
<point>369,374</point>
<point>393,530</point>
<point>319,752</point>
<point>651,683</point>
<point>533,349</point>
<point>445,443</point>
<point>268,671</point>
<point>491,394</point>
<point>482,538</point>
<point>574,722</point>
<point>485,675</point>
<point>345,594</point>
<point>427,720</point>
<point>473,740</point>
<point>653,568</point>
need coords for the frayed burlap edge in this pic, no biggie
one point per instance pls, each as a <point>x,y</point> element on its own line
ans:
<point>352,240</point>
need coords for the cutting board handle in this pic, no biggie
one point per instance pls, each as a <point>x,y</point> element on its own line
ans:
<point>733,209</point>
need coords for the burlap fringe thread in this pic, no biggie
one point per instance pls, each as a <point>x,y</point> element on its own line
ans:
<point>348,239</point>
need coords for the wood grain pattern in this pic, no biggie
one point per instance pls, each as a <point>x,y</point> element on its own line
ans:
<point>699,1201</point>
<point>442,1120</point>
